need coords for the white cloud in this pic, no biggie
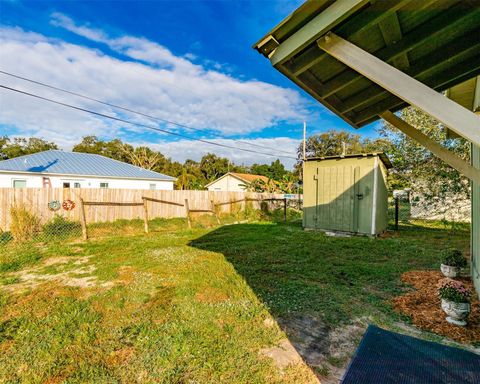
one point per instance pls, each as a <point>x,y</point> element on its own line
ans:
<point>149,79</point>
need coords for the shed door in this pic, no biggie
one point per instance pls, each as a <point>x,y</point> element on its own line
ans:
<point>336,203</point>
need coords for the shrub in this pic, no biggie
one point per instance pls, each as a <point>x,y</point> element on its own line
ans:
<point>25,224</point>
<point>453,290</point>
<point>61,227</point>
<point>454,258</point>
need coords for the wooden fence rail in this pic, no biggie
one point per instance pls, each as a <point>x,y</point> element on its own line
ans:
<point>107,205</point>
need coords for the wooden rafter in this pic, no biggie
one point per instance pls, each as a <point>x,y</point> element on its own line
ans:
<point>454,116</point>
<point>455,75</point>
<point>426,69</point>
<point>333,15</point>
<point>434,29</point>
<point>354,30</point>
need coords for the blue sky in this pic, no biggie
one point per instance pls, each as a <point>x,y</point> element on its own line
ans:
<point>184,61</point>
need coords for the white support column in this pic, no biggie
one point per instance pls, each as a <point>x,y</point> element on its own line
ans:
<point>449,157</point>
<point>462,121</point>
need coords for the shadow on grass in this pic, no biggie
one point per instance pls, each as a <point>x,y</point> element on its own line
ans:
<point>324,290</point>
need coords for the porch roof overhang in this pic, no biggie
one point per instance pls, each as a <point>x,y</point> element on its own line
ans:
<point>435,42</point>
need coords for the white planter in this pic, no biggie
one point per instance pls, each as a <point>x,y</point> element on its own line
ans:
<point>457,312</point>
<point>449,271</point>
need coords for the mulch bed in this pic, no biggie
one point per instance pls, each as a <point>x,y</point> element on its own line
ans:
<point>423,306</point>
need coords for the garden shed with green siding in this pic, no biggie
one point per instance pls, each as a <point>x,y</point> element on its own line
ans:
<point>364,60</point>
<point>346,193</point>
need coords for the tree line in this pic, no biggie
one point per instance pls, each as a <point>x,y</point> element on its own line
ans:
<point>190,174</point>
<point>413,166</point>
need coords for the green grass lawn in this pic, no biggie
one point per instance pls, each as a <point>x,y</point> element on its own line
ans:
<point>196,306</point>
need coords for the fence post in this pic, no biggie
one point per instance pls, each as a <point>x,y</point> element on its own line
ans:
<point>187,210</point>
<point>145,214</point>
<point>214,211</point>
<point>83,220</point>
<point>396,213</point>
<point>285,210</point>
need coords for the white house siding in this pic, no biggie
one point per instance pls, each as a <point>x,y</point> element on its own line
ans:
<point>228,184</point>
<point>36,181</point>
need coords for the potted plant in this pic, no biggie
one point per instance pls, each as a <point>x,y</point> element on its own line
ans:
<point>455,301</point>
<point>452,262</point>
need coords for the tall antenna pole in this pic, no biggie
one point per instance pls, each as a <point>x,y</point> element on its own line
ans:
<point>304,140</point>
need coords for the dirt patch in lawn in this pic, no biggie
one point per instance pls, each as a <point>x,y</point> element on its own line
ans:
<point>423,306</point>
<point>327,350</point>
<point>35,303</point>
<point>120,357</point>
<point>211,295</point>
<point>66,271</point>
<point>290,363</point>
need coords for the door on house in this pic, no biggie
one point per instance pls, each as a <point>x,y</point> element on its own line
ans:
<point>339,197</point>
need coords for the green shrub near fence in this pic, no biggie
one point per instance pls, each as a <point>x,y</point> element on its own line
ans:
<point>61,227</point>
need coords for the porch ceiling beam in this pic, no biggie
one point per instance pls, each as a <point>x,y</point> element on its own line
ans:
<point>354,29</point>
<point>459,119</point>
<point>422,69</point>
<point>464,19</point>
<point>458,74</point>
<point>447,156</point>
<point>319,25</point>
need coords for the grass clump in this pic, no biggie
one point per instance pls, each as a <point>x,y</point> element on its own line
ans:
<point>5,237</point>
<point>15,258</point>
<point>25,224</point>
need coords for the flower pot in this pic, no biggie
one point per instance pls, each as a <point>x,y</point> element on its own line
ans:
<point>457,312</point>
<point>449,271</point>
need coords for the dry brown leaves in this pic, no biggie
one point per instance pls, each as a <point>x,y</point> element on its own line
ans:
<point>423,306</point>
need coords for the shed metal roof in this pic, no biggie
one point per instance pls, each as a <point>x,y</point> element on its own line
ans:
<point>56,162</point>
<point>381,155</point>
<point>434,41</point>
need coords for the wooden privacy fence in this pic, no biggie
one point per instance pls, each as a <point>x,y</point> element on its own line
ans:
<point>115,204</point>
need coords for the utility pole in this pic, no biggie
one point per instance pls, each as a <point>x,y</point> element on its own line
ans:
<point>304,156</point>
<point>304,140</point>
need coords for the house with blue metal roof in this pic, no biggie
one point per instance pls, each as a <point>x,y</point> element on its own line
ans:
<point>59,169</point>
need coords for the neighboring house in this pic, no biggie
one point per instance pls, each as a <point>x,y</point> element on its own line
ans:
<point>234,182</point>
<point>58,169</point>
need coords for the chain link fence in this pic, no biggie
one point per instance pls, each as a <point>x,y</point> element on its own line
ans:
<point>28,224</point>
<point>406,210</point>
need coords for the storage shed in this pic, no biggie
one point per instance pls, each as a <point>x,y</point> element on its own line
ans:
<point>364,60</point>
<point>346,193</point>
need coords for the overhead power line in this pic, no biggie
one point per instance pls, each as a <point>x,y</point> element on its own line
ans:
<point>139,124</point>
<point>132,111</point>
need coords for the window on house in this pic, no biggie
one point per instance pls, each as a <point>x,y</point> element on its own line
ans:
<point>103,185</point>
<point>153,186</point>
<point>19,183</point>
<point>76,185</point>
<point>66,185</point>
